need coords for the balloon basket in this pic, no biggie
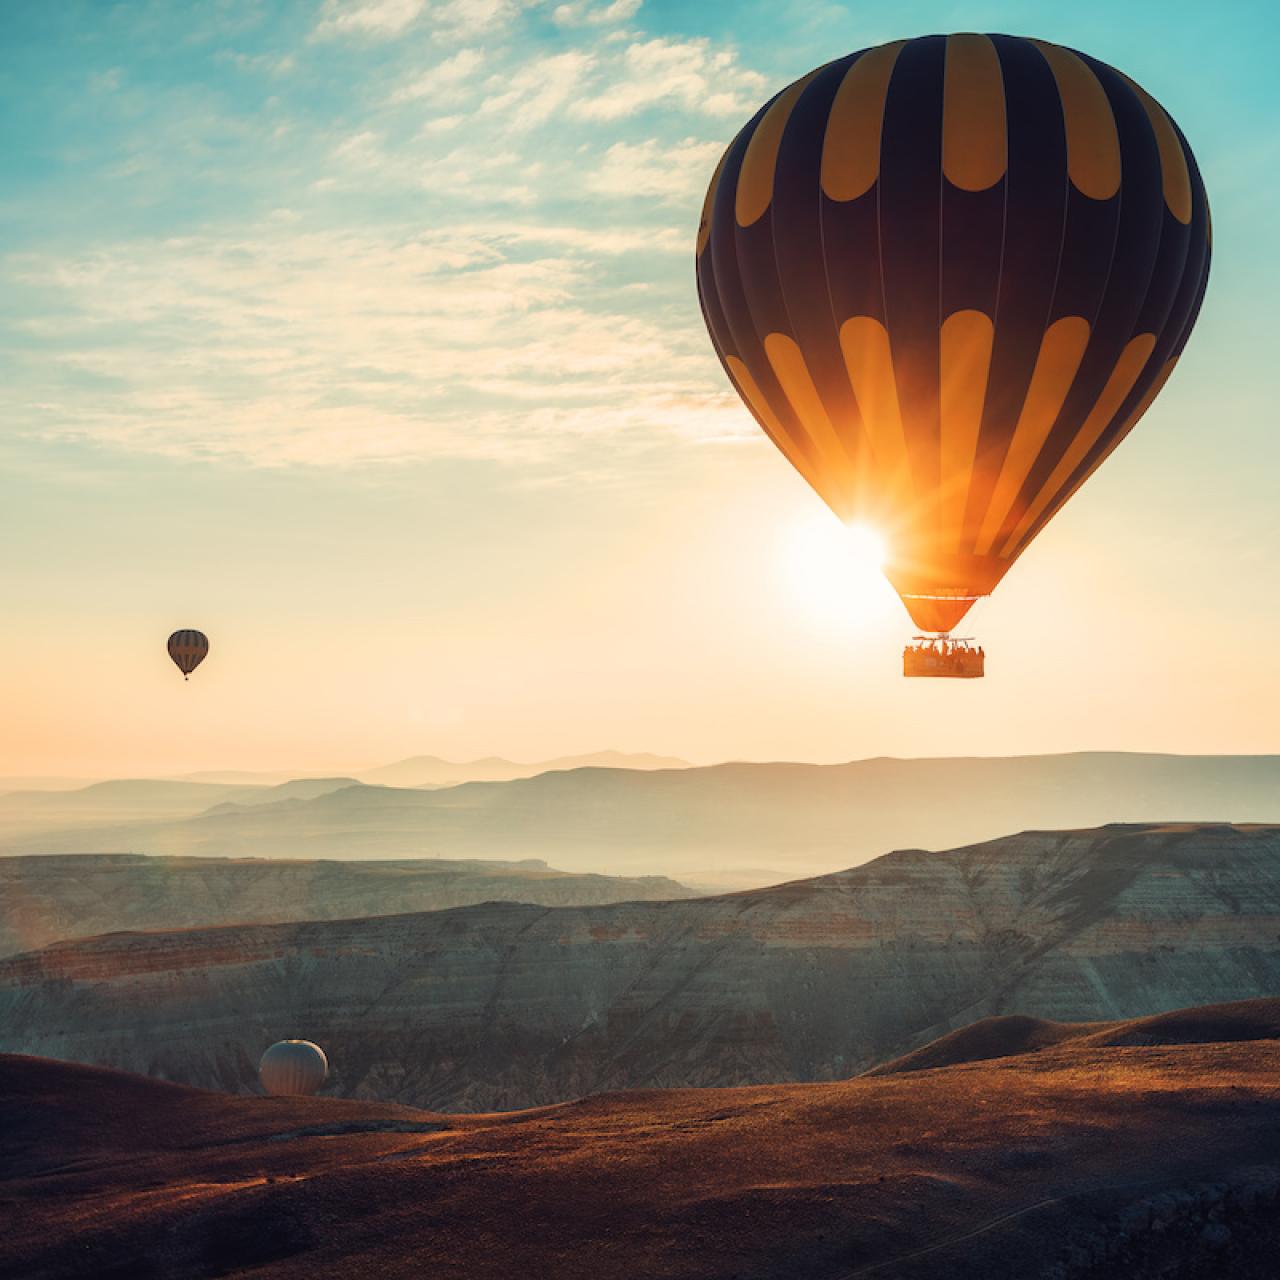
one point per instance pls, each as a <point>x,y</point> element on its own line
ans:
<point>944,657</point>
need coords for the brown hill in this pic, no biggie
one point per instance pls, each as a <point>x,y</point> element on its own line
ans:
<point>1013,1034</point>
<point>1001,1036</point>
<point>503,1005</point>
<point>1076,1163</point>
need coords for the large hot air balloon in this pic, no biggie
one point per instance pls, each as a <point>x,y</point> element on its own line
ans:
<point>947,276</point>
<point>188,650</point>
<point>295,1067</point>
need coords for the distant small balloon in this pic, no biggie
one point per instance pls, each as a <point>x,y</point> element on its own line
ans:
<point>293,1068</point>
<point>188,649</point>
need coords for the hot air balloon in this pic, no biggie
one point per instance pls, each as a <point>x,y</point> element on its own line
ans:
<point>293,1067</point>
<point>188,650</point>
<point>947,276</point>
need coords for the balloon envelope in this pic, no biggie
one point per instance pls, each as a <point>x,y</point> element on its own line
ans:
<point>293,1067</point>
<point>188,650</point>
<point>947,276</point>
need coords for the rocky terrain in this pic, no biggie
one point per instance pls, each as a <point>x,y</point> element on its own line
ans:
<point>686,823</point>
<point>1153,1156</point>
<point>47,898</point>
<point>503,1005</point>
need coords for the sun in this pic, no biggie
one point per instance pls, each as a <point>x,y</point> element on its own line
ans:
<point>833,571</point>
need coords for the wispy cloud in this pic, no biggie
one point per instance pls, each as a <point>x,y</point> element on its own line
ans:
<point>584,13</point>
<point>537,90</point>
<point>388,19</point>
<point>668,171</point>
<point>262,63</point>
<point>377,19</point>
<point>329,348</point>
<point>443,79</point>
<point>686,74</point>
<point>480,252</point>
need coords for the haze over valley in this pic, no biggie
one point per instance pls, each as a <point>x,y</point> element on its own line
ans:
<point>713,827</point>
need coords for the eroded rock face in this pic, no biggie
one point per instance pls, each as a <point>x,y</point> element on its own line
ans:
<point>51,898</point>
<point>503,1005</point>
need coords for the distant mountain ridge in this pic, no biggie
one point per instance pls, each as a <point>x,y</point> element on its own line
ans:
<point>504,1005</point>
<point>49,898</point>
<point>432,771</point>
<point>145,800</point>
<point>795,818</point>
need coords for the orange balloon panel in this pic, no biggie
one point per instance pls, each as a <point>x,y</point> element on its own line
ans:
<point>947,276</point>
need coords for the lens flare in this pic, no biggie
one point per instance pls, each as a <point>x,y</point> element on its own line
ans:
<point>833,572</point>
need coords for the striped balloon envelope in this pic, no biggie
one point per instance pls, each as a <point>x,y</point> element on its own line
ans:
<point>947,276</point>
<point>293,1068</point>
<point>188,650</point>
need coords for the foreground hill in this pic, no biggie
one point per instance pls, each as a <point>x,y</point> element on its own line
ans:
<point>1077,1163</point>
<point>48,898</point>
<point>503,1005</point>
<point>1011,1034</point>
<point>690,822</point>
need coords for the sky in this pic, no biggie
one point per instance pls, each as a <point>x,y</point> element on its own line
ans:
<point>362,335</point>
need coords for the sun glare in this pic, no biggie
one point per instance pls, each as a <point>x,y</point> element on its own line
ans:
<point>833,571</point>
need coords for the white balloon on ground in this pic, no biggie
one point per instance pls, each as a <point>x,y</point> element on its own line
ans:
<point>293,1067</point>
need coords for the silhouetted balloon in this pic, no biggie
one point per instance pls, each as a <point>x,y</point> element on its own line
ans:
<point>188,649</point>
<point>947,276</point>
<point>293,1067</point>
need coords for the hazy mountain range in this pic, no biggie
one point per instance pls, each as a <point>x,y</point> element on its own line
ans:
<point>699,825</point>
<point>431,771</point>
<point>1147,1151</point>
<point>416,771</point>
<point>145,800</point>
<point>504,1005</point>
<point>45,899</point>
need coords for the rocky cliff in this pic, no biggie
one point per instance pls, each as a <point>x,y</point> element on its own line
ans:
<point>503,1005</point>
<point>50,898</point>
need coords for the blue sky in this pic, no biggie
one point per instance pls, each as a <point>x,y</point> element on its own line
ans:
<point>335,326</point>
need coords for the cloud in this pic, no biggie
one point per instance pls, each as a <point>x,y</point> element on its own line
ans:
<point>469,17</point>
<point>443,80</point>
<point>582,13</point>
<point>387,19</point>
<point>668,171</point>
<point>531,95</point>
<point>609,82</point>
<point>262,63</point>
<point>461,253</point>
<point>106,81</point>
<point>330,348</point>
<point>376,19</point>
<point>442,124</point>
<point>687,74</point>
